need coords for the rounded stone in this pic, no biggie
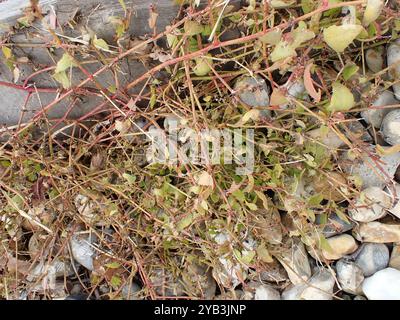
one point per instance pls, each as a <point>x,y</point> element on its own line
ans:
<point>372,258</point>
<point>371,205</point>
<point>375,116</point>
<point>391,127</point>
<point>253,91</point>
<point>383,285</point>
<point>350,276</point>
<point>341,245</point>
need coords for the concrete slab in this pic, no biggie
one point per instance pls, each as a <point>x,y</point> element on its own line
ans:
<point>94,14</point>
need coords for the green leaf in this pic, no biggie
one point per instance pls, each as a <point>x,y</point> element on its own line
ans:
<point>307,5</point>
<point>100,44</point>
<point>239,195</point>
<point>301,34</point>
<point>315,200</point>
<point>123,5</point>
<point>272,37</point>
<point>263,253</point>
<point>342,98</point>
<point>279,4</point>
<point>251,206</point>
<point>372,11</point>
<point>62,78</point>
<point>247,257</point>
<point>282,50</point>
<point>65,63</point>
<point>115,281</point>
<point>7,52</point>
<point>130,178</point>
<point>172,40</point>
<point>349,71</point>
<point>113,265</point>
<point>192,27</point>
<point>202,67</point>
<point>339,37</point>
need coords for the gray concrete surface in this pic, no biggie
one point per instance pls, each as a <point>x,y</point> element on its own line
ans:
<point>94,14</point>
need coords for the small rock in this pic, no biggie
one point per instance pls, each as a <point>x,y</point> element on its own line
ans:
<point>360,298</point>
<point>395,210</point>
<point>296,263</point>
<point>383,285</point>
<point>374,116</point>
<point>374,59</point>
<point>350,276</point>
<point>391,127</point>
<point>393,57</point>
<point>273,272</point>
<point>131,291</point>
<point>366,168</point>
<point>262,291</point>
<point>295,89</point>
<point>82,250</point>
<point>334,226</point>
<point>371,205</point>
<point>253,91</point>
<point>377,232</point>
<point>293,292</point>
<point>319,287</point>
<point>341,245</point>
<point>357,132</point>
<point>395,257</point>
<point>372,258</point>
<point>329,139</point>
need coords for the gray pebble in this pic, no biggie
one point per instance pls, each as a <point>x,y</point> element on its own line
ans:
<point>372,258</point>
<point>391,127</point>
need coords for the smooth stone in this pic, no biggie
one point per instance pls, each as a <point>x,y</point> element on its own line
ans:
<point>293,292</point>
<point>296,263</point>
<point>366,168</point>
<point>393,57</point>
<point>372,258</point>
<point>377,232</point>
<point>319,287</point>
<point>265,292</point>
<point>371,205</point>
<point>360,298</point>
<point>253,91</point>
<point>357,132</point>
<point>296,90</point>
<point>329,139</point>
<point>131,291</point>
<point>391,127</point>
<point>334,226</point>
<point>374,59</point>
<point>383,285</point>
<point>261,291</point>
<point>341,245</point>
<point>395,257</point>
<point>375,117</point>
<point>82,250</point>
<point>350,276</point>
<point>395,210</point>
